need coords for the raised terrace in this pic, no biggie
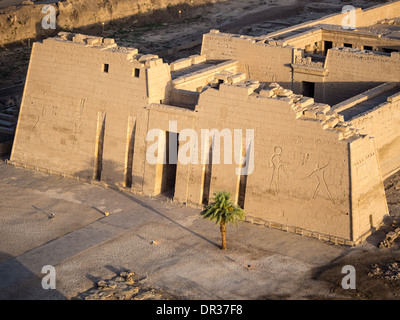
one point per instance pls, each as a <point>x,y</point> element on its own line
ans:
<point>369,102</point>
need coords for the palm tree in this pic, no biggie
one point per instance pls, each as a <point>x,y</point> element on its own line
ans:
<point>222,211</point>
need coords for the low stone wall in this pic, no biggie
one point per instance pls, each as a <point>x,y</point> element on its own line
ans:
<point>304,232</point>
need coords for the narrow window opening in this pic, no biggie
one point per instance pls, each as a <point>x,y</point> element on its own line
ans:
<point>106,67</point>
<point>136,73</point>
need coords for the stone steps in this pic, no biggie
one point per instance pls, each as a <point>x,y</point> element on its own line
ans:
<point>8,117</point>
<point>8,120</point>
<point>9,131</point>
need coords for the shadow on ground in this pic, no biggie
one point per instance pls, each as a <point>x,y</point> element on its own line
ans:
<point>19,283</point>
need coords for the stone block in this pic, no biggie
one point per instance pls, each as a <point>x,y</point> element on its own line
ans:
<point>108,41</point>
<point>331,123</point>
<point>258,221</point>
<point>274,225</point>
<point>223,75</point>
<point>94,41</point>
<point>196,59</point>
<point>321,116</point>
<point>79,38</point>
<point>236,89</point>
<point>180,64</point>
<point>324,108</point>
<point>283,92</point>
<point>151,63</point>
<point>236,78</point>
<point>306,102</point>
<point>267,93</point>
<point>311,114</point>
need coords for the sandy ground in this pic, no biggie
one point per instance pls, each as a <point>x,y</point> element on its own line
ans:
<point>185,260</point>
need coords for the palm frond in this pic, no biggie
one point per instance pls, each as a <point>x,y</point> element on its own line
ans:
<point>222,208</point>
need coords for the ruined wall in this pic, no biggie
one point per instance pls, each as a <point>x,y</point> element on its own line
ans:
<point>88,107</point>
<point>383,124</point>
<point>352,71</point>
<point>310,189</point>
<point>339,37</point>
<point>201,78</point>
<point>301,173</point>
<point>76,118</point>
<point>358,40</point>
<point>275,64</point>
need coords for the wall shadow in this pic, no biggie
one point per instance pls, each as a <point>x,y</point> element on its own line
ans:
<point>136,199</point>
<point>17,282</point>
<point>152,209</point>
<point>367,286</point>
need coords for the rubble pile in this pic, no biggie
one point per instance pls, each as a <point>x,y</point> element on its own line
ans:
<point>125,286</point>
<point>390,271</point>
<point>390,238</point>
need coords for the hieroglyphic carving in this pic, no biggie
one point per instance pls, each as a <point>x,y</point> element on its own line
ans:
<point>319,174</point>
<point>277,166</point>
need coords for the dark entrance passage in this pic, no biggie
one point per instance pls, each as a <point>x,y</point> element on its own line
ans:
<point>168,180</point>
<point>328,46</point>
<point>308,89</point>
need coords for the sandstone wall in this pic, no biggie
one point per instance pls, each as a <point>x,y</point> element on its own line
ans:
<point>315,39</point>
<point>71,107</point>
<point>301,173</point>
<point>368,199</point>
<point>275,64</point>
<point>89,105</point>
<point>310,189</point>
<point>383,124</point>
<point>352,72</point>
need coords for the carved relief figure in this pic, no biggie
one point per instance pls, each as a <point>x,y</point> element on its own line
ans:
<point>319,174</point>
<point>277,165</point>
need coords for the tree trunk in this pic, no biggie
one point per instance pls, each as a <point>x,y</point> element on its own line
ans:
<point>223,234</point>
